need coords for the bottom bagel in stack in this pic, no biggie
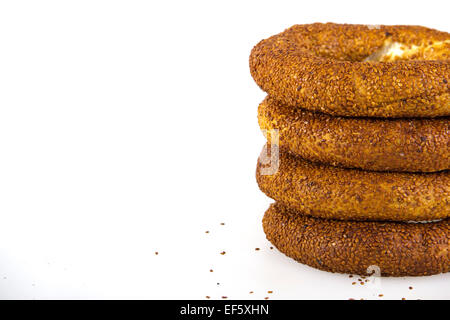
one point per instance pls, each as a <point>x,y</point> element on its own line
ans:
<point>396,248</point>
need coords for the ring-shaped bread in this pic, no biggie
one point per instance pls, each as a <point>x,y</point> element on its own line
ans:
<point>357,70</point>
<point>353,194</point>
<point>389,248</point>
<point>404,145</point>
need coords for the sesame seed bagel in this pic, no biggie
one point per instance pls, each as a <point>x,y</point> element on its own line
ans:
<point>353,194</point>
<point>412,145</point>
<point>357,70</point>
<point>396,248</point>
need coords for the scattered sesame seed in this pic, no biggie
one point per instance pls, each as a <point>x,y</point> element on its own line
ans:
<point>223,252</point>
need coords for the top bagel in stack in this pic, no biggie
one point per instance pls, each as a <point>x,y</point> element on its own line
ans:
<point>357,70</point>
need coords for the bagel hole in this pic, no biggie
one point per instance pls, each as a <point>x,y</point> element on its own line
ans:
<point>425,221</point>
<point>396,51</point>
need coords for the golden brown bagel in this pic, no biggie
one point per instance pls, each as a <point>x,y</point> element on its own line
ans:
<point>413,145</point>
<point>353,194</point>
<point>321,67</point>
<point>397,249</point>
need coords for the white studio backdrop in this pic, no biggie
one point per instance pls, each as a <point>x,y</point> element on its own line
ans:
<point>129,128</point>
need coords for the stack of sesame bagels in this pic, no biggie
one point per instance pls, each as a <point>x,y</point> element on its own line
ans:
<point>357,119</point>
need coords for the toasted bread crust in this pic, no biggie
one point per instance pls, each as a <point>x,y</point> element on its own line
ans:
<point>404,145</point>
<point>397,249</point>
<point>320,67</point>
<point>352,194</point>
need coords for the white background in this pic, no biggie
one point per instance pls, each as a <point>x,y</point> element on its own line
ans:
<point>129,127</point>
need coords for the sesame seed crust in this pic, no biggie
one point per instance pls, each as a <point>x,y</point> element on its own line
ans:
<point>352,194</point>
<point>320,67</point>
<point>408,145</point>
<point>398,249</point>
